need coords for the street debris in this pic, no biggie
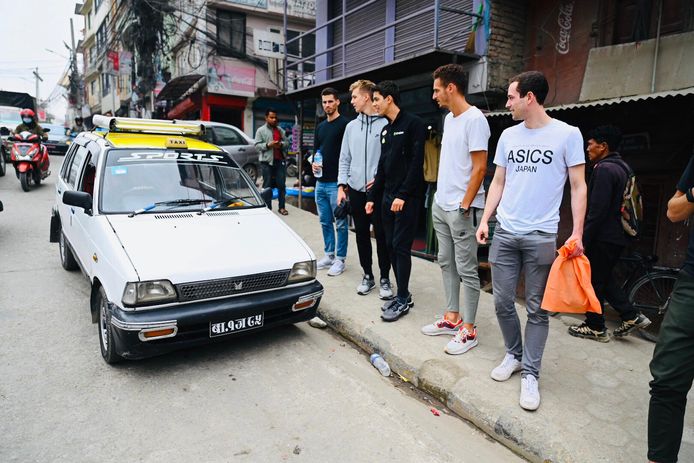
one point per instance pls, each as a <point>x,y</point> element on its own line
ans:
<point>316,322</point>
<point>297,450</point>
<point>435,412</point>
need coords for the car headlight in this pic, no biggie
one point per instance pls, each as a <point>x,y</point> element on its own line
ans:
<point>148,292</point>
<point>302,271</point>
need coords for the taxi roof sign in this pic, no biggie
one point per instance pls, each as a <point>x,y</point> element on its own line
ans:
<point>173,142</point>
<point>154,126</point>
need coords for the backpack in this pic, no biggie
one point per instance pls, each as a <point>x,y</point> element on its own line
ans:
<point>632,206</point>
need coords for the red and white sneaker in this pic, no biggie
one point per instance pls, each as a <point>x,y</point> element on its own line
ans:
<point>442,326</point>
<point>462,342</point>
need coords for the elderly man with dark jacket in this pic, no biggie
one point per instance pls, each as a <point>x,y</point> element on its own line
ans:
<point>272,145</point>
<point>604,237</point>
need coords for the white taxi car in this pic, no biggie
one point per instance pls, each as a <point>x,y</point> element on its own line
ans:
<point>175,239</point>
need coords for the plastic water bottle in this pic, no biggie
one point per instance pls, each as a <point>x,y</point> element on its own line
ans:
<point>380,364</point>
<point>318,160</point>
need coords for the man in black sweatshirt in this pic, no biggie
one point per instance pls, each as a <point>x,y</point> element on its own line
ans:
<point>328,140</point>
<point>400,182</point>
<point>604,237</point>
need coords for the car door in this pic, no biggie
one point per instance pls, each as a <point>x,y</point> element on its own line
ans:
<point>83,223</point>
<point>232,143</point>
<point>69,175</point>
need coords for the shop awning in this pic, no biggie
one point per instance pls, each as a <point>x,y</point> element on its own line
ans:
<point>608,101</point>
<point>175,88</point>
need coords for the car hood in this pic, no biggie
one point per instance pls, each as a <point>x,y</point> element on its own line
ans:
<point>186,247</point>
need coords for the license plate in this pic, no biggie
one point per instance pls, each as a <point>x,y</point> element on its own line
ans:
<point>237,325</point>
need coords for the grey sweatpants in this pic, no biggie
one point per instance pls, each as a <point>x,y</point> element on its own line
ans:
<point>534,253</point>
<point>458,259</point>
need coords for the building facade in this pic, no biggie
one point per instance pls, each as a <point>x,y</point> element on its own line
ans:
<point>226,60</point>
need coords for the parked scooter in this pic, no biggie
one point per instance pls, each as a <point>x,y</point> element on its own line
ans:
<point>30,159</point>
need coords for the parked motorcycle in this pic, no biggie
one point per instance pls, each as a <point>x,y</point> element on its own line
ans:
<point>29,158</point>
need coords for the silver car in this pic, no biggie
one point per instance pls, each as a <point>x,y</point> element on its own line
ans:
<point>240,146</point>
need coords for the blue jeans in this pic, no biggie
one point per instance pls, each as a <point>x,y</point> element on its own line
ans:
<point>326,202</point>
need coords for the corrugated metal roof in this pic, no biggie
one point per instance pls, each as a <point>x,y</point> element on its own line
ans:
<point>607,101</point>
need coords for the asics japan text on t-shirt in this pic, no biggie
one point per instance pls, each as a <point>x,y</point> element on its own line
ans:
<point>536,162</point>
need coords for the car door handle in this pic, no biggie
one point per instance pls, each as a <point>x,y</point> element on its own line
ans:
<point>242,149</point>
<point>60,191</point>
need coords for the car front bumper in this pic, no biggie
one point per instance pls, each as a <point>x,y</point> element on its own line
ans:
<point>192,321</point>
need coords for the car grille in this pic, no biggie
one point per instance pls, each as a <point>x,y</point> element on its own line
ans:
<point>232,286</point>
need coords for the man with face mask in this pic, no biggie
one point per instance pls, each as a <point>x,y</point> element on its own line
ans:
<point>29,124</point>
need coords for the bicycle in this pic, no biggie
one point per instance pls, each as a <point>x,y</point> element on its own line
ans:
<point>648,288</point>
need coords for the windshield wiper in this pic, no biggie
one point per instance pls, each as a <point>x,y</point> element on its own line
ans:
<point>225,203</point>
<point>174,202</point>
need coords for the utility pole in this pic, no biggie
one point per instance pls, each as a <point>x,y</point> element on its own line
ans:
<point>75,72</point>
<point>38,78</point>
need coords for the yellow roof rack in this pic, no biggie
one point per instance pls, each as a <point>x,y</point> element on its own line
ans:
<point>154,126</point>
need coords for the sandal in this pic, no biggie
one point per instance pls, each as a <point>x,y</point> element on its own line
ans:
<point>283,211</point>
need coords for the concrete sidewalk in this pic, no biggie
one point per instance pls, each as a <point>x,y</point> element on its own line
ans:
<point>594,395</point>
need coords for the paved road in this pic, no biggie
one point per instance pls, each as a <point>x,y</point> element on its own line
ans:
<point>294,394</point>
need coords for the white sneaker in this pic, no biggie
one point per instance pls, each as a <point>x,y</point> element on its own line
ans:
<point>385,291</point>
<point>462,342</point>
<point>442,326</point>
<point>325,262</point>
<point>367,284</point>
<point>337,268</point>
<point>506,368</point>
<point>530,394</point>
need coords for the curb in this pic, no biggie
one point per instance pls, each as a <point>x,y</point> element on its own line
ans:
<point>538,445</point>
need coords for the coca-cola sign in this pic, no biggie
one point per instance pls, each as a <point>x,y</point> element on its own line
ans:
<point>566,10</point>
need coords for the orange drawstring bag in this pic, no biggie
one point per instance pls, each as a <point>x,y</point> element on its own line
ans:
<point>568,287</point>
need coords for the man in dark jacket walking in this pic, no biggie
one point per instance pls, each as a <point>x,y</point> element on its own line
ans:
<point>604,237</point>
<point>400,182</point>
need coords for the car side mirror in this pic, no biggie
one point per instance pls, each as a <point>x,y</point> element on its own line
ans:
<point>79,199</point>
<point>1,208</point>
<point>266,194</point>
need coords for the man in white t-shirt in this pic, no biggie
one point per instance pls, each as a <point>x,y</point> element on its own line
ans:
<point>457,202</point>
<point>533,160</point>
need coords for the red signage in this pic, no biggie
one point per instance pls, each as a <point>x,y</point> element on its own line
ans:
<point>114,58</point>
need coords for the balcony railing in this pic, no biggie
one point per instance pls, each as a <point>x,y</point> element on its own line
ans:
<point>375,33</point>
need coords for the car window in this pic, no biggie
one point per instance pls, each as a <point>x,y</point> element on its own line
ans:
<point>73,172</point>
<point>160,181</point>
<point>66,162</point>
<point>227,136</point>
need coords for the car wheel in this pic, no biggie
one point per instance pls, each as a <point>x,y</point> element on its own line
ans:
<point>67,259</point>
<point>252,171</point>
<point>106,340</point>
<point>292,170</point>
<point>3,164</point>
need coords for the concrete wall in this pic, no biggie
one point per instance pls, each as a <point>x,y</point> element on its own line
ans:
<point>626,69</point>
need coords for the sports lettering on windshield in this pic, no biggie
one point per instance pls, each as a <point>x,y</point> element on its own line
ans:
<point>173,156</point>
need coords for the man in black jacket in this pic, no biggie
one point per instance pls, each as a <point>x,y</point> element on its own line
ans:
<point>399,181</point>
<point>604,237</point>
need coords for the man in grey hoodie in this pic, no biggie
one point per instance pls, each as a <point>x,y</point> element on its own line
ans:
<point>359,155</point>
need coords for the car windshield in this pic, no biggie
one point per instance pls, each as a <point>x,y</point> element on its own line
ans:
<point>57,131</point>
<point>164,180</point>
<point>10,115</point>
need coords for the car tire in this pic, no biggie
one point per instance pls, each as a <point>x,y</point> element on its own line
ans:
<point>292,170</point>
<point>67,259</point>
<point>3,164</point>
<point>106,339</point>
<point>252,171</point>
